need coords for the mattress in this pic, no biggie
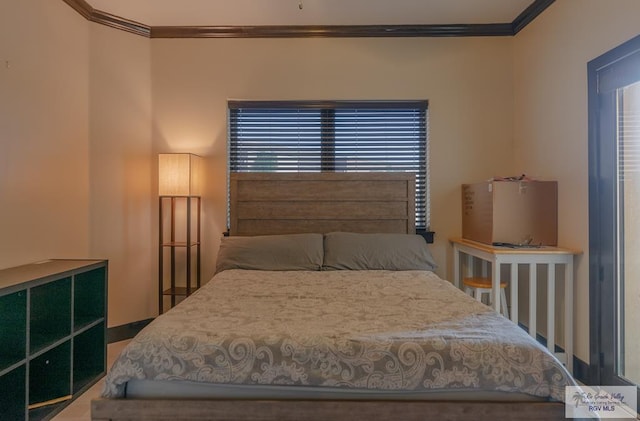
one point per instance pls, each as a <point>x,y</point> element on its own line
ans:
<point>154,389</point>
<point>362,332</point>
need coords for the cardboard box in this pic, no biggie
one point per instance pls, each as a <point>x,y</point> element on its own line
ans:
<point>512,212</point>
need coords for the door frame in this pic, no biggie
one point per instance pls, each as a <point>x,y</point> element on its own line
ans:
<point>603,241</point>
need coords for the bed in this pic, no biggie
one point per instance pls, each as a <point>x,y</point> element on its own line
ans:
<point>325,307</point>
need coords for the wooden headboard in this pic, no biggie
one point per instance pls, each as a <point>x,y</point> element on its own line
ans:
<point>286,203</point>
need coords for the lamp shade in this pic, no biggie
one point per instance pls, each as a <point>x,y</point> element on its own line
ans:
<point>179,174</point>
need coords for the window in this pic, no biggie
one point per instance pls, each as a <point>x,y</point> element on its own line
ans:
<point>340,136</point>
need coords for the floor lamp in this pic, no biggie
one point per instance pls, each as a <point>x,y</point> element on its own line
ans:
<point>179,191</point>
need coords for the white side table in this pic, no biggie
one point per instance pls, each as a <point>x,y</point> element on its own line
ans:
<point>549,256</point>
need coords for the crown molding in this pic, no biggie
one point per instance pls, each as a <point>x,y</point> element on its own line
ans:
<point>117,22</point>
<point>107,19</point>
<point>529,14</point>
<point>82,7</point>
<point>328,31</point>
<point>311,31</point>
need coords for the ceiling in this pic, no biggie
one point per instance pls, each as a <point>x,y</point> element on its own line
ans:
<point>313,12</point>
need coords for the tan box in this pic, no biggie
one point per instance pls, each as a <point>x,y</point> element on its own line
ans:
<point>512,212</point>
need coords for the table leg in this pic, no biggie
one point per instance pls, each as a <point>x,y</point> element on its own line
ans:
<point>456,266</point>
<point>533,291</point>
<point>513,285</point>
<point>568,313</point>
<point>469,266</point>
<point>551,307</point>
<point>495,285</point>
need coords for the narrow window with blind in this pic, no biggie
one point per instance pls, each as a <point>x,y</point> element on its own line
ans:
<point>335,136</point>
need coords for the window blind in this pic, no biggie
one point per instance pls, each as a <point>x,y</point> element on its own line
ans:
<point>340,136</point>
<point>629,131</point>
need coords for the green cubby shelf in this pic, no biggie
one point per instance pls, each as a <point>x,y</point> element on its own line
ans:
<point>13,397</point>
<point>49,378</point>
<point>50,311</point>
<point>88,359</point>
<point>13,308</point>
<point>89,298</point>
<point>52,335</point>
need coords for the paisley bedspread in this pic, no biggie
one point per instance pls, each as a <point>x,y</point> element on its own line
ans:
<point>382,330</point>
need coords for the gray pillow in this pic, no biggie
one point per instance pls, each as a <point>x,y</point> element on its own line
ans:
<point>271,252</point>
<point>343,250</point>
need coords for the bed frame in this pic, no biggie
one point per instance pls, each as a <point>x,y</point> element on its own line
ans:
<point>280,203</point>
<point>277,203</point>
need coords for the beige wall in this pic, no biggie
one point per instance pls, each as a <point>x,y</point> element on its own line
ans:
<point>550,119</point>
<point>468,82</point>
<point>122,204</point>
<point>44,161</point>
<point>76,177</point>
